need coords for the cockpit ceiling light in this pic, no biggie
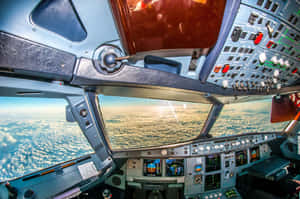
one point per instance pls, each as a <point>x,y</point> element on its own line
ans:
<point>152,25</point>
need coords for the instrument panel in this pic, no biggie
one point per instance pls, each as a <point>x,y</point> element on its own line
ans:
<point>201,174</point>
<point>262,50</point>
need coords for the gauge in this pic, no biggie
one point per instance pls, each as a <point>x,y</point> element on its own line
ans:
<point>198,179</point>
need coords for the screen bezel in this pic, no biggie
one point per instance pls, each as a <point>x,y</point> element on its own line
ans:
<point>205,182</point>
<point>236,153</point>
<point>166,170</point>
<point>154,175</point>
<point>219,163</point>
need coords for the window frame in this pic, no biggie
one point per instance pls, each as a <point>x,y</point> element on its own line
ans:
<point>96,104</point>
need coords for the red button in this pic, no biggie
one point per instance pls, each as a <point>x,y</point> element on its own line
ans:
<point>270,44</point>
<point>217,69</point>
<point>258,38</point>
<point>295,70</point>
<point>226,68</point>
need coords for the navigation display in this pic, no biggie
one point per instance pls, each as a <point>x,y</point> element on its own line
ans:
<point>152,167</point>
<point>212,163</point>
<point>241,158</point>
<point>212,182</point>
<point>175,167</point>
<point>254,154</point>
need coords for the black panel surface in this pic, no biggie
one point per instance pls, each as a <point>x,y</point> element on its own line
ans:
<point>59,16</point>
<point>30,58</point>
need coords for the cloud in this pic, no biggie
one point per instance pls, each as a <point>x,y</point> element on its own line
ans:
<point>6,138</point>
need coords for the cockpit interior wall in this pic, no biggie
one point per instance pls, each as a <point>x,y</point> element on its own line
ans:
<point>168,99</point>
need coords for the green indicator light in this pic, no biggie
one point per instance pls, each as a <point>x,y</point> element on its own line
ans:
<point>280,42</point>
<point>271,65</point>
<point>287,37</point>
<point>269,62</point>
<point>298,13</point>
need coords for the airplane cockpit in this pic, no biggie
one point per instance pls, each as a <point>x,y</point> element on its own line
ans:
<point>149,99</point>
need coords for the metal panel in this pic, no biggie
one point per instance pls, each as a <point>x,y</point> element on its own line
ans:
<point>31,58</point>
<point>94,14</point>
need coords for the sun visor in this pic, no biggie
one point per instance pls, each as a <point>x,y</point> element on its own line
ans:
<point>283,109</point>
<point>146,26</point>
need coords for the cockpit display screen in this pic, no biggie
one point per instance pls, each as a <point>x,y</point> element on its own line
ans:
<point>254,154</point>
<point>241,158</point>
<point>175,167</point>
<point>152,167</point>
<point>212,163</point>
<point>212,182</point>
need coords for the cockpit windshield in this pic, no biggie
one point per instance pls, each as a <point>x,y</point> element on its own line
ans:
<point>34,135</point>
<point>246,117</point>
<point>138,122</point>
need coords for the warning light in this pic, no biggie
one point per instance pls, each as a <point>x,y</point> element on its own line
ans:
<point>258,38</point>
<point>295,70</point>
<point>270,44</point>
<point>226,68</point>
<point>217,69</point>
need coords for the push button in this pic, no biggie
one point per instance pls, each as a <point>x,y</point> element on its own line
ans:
<point>217,69</point>
<point>226,68</point>
<point>258,38</point>
<point>295,70</point>
<point>270,44</point>
<point>262,58</point>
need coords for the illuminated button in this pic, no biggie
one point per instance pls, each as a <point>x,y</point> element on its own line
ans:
<point>287,64</point>
<point>270,44</point>
<point>221,146</point>
<point>281,62</point>
<point>247,141</point>
<point>262,84</point>
<point>195,150</point>
<point>262,58</point>
<point>217,69</point>
<point>258,38</point>
<point>266,137</point>
<point>275,80</point>
<point>237,143</point>
<point>276,73</point>
<point>208,148</point>
<point>201,148</point>
<point>225,83</point>
<point>217,147</point>
<point>206,197</point>
<point>243,142</point>
<point>293,97</point>
<point>215,195</point>
<point>278,86</point>
<point>220,194</point>
<point>226,68</point>
<point>274,60</point>
<point>295,70</point>
<point>211,196</point>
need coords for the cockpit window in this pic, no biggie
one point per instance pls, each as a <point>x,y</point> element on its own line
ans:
<point>137,122</point>
<point>248,117</point>
<point>34,134</point>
